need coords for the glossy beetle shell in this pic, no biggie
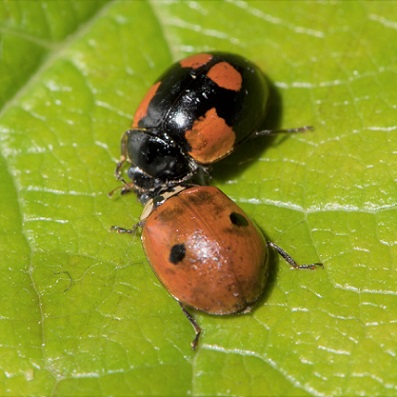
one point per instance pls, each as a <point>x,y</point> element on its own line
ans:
<point>195,114</point>
<point>206,251</point>
<point>206,103</point>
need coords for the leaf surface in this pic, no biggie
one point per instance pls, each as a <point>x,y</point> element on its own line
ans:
<point>81,312</point>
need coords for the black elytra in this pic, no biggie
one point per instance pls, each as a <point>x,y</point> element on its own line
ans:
<point>195,114</point>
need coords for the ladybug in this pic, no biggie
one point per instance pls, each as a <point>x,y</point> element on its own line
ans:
<point>206,251</point>
<point>194,115</point>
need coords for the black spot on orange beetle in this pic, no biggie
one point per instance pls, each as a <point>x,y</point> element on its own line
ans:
<point>238,219</point>
<point>178,252</point>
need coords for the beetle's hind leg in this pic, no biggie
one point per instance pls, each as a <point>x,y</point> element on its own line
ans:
<point>194,324</point>
<point>291,260</point>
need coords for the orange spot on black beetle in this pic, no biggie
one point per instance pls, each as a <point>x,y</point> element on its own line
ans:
<point>195,61</point>
<point>226,76</point>
<point>143,106</point>
<point>210,138</point>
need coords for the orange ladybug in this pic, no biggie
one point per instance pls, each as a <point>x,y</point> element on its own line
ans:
<point>206,251</point>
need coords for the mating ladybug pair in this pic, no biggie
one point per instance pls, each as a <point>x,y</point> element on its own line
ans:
<point>201,245</point>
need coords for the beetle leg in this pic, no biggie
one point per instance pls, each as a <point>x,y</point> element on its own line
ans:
<point>125,187</point>
<point>290,260</point>
<point>119,165</point>
<point>123,158</point>
<point>120,230</point>
<point>282,130</point>
<point>194,324</point>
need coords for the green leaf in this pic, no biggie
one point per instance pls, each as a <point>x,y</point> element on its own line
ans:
<point>81,312</point>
